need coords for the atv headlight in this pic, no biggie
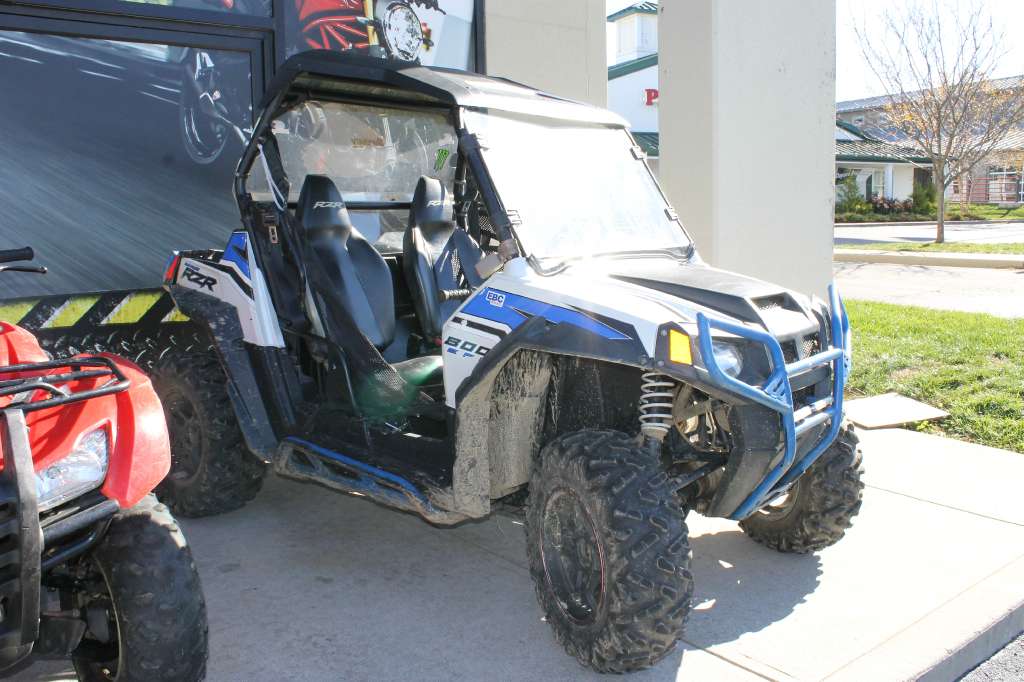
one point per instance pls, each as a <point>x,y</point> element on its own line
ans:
<point>81,471</point>
<point>727,357</point>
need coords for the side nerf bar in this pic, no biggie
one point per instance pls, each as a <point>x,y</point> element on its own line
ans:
<point>777,394</point>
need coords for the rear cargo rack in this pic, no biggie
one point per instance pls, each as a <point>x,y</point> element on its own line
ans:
<point>35,378</point>
<point>777,394</point>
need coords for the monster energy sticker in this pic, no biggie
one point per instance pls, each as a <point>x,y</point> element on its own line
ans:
<point>442,156</point>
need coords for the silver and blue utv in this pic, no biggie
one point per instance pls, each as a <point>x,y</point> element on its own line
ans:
<point>453,294</point>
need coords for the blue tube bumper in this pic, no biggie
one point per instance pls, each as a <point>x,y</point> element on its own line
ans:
<point>776,393</point>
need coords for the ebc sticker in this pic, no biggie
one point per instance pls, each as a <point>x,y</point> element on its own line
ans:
<point>496,299</point>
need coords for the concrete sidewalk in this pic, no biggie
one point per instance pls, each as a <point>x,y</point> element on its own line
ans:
<point>305,584</point>
<point>941,258</point>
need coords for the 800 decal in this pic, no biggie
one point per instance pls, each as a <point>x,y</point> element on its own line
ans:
<point>467,348</point>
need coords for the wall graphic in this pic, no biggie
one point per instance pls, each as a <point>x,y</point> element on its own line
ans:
<point>437,32</point>
<point>108,162</point>
<point>118,152</point>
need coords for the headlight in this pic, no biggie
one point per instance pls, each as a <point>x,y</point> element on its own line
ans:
<point>81,471</point>
<point>728,357</point>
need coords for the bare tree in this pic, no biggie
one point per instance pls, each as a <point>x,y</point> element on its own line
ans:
<point>936,62</point>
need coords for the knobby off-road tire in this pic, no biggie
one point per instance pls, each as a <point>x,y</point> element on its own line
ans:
<point>821,506</point>
<point>212,472</point>
<point>158,606</point>
<point>602,515</point>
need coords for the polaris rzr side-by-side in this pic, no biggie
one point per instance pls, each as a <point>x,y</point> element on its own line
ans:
<point>454,292</point>
<point>92,568</point>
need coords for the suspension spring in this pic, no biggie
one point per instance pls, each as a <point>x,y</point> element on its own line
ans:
<point>656,396</point>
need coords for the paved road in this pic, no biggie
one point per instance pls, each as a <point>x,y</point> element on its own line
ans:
<point>976,290</point>
<point>306,584</point>
<point>93,173</point>
<point>997,233</point>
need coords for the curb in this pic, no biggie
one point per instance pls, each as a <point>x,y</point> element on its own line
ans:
<point>954,260</point>
<point>931,223</point>
<point>919,652</point>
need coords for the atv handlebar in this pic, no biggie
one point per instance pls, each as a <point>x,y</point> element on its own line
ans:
<point>12,255</point>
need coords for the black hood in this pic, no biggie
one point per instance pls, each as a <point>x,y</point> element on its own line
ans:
<point>738,296</point>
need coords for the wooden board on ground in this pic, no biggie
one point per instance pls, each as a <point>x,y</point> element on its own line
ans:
<point>889,409</point>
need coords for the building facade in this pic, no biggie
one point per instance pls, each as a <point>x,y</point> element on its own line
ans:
<point>882,169</point>
<point>997,179</point>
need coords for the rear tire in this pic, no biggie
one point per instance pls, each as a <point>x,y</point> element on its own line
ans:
<point>820,507</point>
<point>212,471</point>
<point>608,551</point>
<point>154,601</point>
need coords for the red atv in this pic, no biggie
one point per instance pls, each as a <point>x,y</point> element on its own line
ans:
<point>92,568</point>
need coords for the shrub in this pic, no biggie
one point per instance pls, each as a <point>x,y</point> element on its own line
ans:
<point>848,197</point>
<point>923,198</point>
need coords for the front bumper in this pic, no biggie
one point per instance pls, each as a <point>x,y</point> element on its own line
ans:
<point>776,394</point>
<point>31,548</point>
<point>22,539</point>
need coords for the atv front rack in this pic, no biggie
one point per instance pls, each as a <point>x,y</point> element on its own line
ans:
<point>33,377</point>
<point>777,394</point>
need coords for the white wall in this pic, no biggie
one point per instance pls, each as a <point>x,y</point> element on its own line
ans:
<point>626,98</point>
<point>554,46</point>
<point>902,181</point>
<point>747,114</point>
<point>637,36</point>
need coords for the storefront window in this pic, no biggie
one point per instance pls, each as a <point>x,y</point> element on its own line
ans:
<point>109,163</point>
<point>258,8</point>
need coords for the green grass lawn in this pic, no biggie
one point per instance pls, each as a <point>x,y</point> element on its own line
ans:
<point>971,365</point>
<point>945,247</point>
<point>986,211</point>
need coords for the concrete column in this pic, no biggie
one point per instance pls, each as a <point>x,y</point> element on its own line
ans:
<point>558,47</point>
<point>747,113</point>
<point>889,194</point>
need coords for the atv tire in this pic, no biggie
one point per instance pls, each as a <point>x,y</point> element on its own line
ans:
<point>608,551</point>
<point>820,507</point>
<point>212,471</point>
<point>158,623</point>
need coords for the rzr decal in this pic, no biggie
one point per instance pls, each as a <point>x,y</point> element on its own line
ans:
<point>198,278</point>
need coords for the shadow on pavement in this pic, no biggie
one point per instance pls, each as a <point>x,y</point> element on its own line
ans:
<point>743,587</point>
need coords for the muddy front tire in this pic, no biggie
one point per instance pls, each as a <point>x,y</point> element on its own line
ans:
<point>608,551</point>
<point>821,506</point>
<point>212,472</point>
<point>147,615</point>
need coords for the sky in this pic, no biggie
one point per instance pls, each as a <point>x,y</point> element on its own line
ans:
<point>853,77</point>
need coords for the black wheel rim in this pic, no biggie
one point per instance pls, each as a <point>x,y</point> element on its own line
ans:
<point>205,135</point>
<point>185,431</point>
<point>573,557</point>
<point>99,653</point>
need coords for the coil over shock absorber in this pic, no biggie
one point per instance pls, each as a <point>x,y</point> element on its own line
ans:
<point>657,391</point>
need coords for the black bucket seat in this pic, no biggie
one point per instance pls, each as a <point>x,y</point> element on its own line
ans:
<point>356,272</point>
<point>438,259</point>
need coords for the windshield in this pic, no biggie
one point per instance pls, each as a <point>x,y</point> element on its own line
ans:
<point>372,153</point>
<point>577,188</point>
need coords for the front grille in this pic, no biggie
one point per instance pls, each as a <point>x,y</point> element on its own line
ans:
<point>789,351</point>
<point>811,344</point>
<point>770,302</point>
